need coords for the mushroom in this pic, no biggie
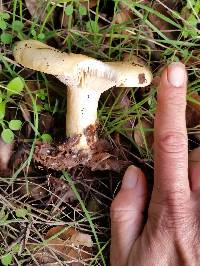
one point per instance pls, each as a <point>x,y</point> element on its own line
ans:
<point>86,79</point>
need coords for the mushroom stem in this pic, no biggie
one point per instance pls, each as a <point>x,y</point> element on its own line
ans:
<point>82,107</point>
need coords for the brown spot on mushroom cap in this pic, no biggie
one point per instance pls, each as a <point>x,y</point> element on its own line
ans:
<point>142,78</point>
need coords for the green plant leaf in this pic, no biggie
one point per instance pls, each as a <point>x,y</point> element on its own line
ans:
<point>6,38</point>
<point>197,7</point>
<point>1,96</point>
<point>3,216</point>
<point>69,10</point>
<point>21,213</point>
<point>39,108</point>
<point>47,107</point>
<point>192,20</point>
<point>16,248</point>
<point>17,25</point>
<point>6,260</point>
<point>92,26</point>
<point>41,36</point>
<point>2,109</point>
<point>15,124</point>
<point>191,3</point>
<point>3,24</point>
<point>4,15</point>
<point>7,135</point>
<point>42,94</point>
<point>82,10</point>
<point>46,138</point>
<point>33,32</point>
<point>15,86</point>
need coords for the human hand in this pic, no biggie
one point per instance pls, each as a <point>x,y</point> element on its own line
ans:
<point>171,234</point>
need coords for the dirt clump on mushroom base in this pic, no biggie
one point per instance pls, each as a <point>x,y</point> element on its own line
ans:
<point>65,155</point>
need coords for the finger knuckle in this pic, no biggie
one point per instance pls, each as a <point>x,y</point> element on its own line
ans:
<point>172,142</point>
<point>168,220</point>
<point>175,197</point>
<point>172,216</point>
<point>116,213</point>
<point>120,213</point>
<point>180,102</point>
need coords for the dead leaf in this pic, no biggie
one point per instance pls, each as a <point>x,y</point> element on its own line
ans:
<point>105,161</point>
<point>142,134</point>
<point>35,189</point>
<point>64,19</point>
<point>25,112</point>
<point>91,3</point>
<point>65,233</point>
<point>93,205</point>
<point>60,190</point>
<point>20,155</point>
<point>70,246</point>
<point>133,59</point>
<point>118,97</point>
<point>46,255</point>
<point>36,8</point>
<point>123,101</point>
<point>103,145</point>
<point>46,122</point>
<point>31,6</point>
<point>151,42</point>
<point>165,27</point>
<point>123,15</point>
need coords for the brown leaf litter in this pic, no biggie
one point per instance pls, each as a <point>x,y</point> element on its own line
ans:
<point>64,245</point>
<point>165,27</point>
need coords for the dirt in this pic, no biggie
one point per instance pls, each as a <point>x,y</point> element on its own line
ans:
<point>65,155</point>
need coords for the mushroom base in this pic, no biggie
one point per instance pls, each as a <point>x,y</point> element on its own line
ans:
<point>65,155</point>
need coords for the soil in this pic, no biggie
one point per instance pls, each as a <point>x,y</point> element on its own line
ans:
<point>65,155</point>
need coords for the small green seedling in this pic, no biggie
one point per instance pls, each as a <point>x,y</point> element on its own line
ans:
<point>21,213</point>
<point>7,29</point>
<point>46,138</point>
<point>7,258</point>
<point>14,87</point>
<point>191,11</point>
<point>6,38</point>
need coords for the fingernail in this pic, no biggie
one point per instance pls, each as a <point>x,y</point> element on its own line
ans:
<point>176,74</point>
<point>130,178</point>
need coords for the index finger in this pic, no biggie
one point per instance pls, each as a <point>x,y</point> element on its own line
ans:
<point>171,145</point>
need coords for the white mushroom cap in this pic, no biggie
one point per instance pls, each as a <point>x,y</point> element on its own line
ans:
<point>73,68</point>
